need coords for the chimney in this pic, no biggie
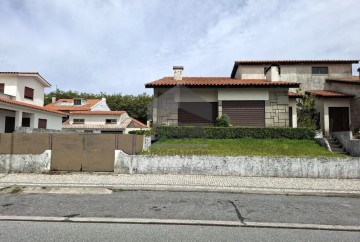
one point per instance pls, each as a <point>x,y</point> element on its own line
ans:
<point>53,99</point>
<point>178,72</point>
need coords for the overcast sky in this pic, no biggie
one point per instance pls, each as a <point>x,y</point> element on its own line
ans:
<point>116,46</point>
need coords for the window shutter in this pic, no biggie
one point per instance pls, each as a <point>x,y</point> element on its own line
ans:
<point>42,123</point>
<point>29,93</point>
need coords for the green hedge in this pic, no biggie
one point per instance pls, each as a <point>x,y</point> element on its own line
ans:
<point>141,132</point>
<point>179,132</point>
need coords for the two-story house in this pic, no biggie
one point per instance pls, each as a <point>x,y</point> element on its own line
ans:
<point>22,103</point>
<point>94,116</point>
<point>257,94</point>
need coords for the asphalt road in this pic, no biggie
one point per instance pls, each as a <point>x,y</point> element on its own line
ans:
<point>53,231</point>
<point>188,205</point>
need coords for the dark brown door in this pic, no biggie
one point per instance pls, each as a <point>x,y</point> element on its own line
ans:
<point>9,124</point>
<point>196,113</point>
<point>338,119</point>
<point>245,113</point>
<point>290,117</point>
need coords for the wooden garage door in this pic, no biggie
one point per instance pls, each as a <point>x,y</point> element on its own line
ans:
<point>245,113</point>
<point>196,113</point>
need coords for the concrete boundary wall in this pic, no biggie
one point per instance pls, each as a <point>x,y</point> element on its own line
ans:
<point>245,166</point>
<point>39,163</point>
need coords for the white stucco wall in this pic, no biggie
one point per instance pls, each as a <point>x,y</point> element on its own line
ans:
<point>196,95</point>
<point>243,94</point>
<point>30,82</point>
<point>97,119</point>
<point>101,106</point>
<point>15,86</point>
<point>10,84</point>
<point>250,72</point>
<point>54,121</point>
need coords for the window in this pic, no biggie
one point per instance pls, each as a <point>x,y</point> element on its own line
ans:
<point>25,122</point>
<point>111,121</point>
<point>2,87</point>
<point>29,93</point>
<point>79,121</point>
<point>42,123</point>
<point>77,102</point>
<point>320,70</point>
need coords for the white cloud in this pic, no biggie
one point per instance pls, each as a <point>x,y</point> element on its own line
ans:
<point>117,46</point>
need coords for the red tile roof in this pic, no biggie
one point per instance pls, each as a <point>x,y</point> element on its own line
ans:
<point>98,112</point>
<point>325,93</point>
<point>32,106</point>
<point>138,123</point>
<point>350,80</point>
<point>26,73</point>
<point>218,82</point>
<point>68,107</point>
<point>295,95</point>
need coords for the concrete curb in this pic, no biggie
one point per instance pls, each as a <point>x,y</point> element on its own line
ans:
<point>181,222</point>
<point>189,188</point>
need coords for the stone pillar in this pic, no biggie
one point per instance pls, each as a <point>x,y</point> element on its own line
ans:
<point>277,109</point>
<point>155,108</point>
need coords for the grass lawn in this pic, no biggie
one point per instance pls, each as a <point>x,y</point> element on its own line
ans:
<point>240,147</point>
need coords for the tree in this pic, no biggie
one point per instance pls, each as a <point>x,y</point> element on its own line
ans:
<point>306,113</point>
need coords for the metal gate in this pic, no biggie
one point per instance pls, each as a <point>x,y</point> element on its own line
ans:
<point>74,152</point>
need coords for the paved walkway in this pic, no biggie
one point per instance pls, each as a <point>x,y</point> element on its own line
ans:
<point>261,185</point>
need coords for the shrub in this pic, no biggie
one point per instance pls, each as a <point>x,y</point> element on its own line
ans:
<point>223,121</point>
<point>179,132</point>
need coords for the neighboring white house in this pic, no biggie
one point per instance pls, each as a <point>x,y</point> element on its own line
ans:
<point>78,104</point>
<point>22,103</point>
<point>102,122</point>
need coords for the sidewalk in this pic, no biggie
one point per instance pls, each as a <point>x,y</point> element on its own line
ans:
<point>256,185</point>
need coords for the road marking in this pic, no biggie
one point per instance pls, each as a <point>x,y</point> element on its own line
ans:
<point>181,222</point>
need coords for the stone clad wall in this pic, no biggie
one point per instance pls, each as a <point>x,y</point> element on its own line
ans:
<point>355,113</point>
<point>166,108</point>
<point>277,109</point>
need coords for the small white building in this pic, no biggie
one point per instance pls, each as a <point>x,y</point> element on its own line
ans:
<point>22,103</point>
<point>102,122</point>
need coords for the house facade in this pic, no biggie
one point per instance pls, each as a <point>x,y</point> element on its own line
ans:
<point>22,103</point>
<point>311,74</point>
<point>257,94</point>
<point>102,122</point>
<point>199,100</point>
<point>337,104</point>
